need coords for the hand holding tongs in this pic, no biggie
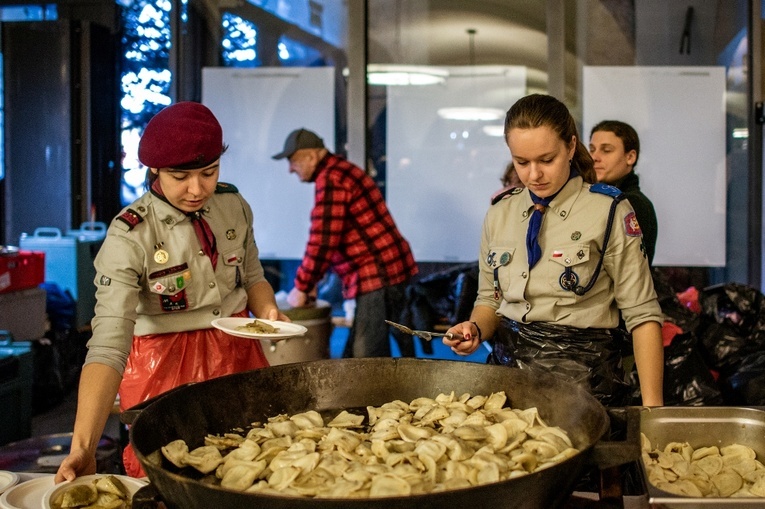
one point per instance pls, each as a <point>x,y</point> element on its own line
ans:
<point>427,336</point>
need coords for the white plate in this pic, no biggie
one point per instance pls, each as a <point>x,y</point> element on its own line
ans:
<point>27,494</point>
<point>131,484</point>
<point>286,329</point>
<point>7,480</point>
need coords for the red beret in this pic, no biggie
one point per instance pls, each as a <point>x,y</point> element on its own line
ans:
<point>185,135</point>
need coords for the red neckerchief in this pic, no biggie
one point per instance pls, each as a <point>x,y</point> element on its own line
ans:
<point>201,228</point>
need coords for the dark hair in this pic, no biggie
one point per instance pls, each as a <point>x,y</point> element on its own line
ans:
<point>510,177</point>
<point>539,110</point>
<point>151,177</point>
<point>624,132</point>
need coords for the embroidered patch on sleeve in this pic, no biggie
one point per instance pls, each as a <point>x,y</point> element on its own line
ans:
<point>130,217</point>
<point>631,225</point>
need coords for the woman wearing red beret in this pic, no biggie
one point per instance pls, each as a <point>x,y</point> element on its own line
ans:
<point>177,258</point>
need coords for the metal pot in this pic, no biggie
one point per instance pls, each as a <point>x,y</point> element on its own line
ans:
<point>219,405</point>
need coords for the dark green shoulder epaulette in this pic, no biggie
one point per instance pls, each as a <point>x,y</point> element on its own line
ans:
<point>131,218</point>
<point>223,187</point>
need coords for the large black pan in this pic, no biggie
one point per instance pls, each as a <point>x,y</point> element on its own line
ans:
<point>219,405</point>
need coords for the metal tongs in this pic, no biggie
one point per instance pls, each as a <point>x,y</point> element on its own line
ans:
<point>426,335</point>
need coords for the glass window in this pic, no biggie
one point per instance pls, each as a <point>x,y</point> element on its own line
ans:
<point>41,12</point>
<point>296,54</point>
<point>2,120</point>
<point>240,38</point>
<point>145,82</point>
<point>457,45</point>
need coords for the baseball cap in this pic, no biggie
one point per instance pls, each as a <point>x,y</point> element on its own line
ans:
<point>297,139</point>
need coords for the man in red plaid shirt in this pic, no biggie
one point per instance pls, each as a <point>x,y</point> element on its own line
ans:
<point>353,233</point>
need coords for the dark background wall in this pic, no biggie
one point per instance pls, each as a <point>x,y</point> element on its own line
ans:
<point>61,125</point>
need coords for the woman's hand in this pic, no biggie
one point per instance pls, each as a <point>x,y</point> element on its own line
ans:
<point>262,304</point>
<point>276,314</point>
<point>79,462</point>
<point>95,399</point>
<point>466,338</point>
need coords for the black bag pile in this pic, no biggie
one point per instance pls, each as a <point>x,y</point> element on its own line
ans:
<point>58,356</point>
<point>718,355</point>
<point>441,298</point>
<point>732,340</point>
<point>687,378</point>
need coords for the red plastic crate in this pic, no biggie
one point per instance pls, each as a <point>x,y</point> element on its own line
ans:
<point>21,270</point>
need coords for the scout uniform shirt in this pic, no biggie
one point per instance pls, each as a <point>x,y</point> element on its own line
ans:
<point>571,235</point>
<point>140,290</point>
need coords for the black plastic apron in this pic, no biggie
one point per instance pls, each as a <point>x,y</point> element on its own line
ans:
<point>588,357</point>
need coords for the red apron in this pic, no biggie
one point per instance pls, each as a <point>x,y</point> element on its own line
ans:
<point>160,362</point>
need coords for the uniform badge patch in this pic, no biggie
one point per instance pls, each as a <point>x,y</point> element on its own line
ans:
<point>491,259</point>
<point>131,218</point>
<point>568,280</point>
<point>631,225</point>
<point>175,302</point>
<point>169,271</point>
<point>105,281</point>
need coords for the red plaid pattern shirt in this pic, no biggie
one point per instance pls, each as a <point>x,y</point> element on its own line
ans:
<point>352,232</point>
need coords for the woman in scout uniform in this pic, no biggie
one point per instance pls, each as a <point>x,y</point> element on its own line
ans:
<point>177,258</point>
<point>559,260</point>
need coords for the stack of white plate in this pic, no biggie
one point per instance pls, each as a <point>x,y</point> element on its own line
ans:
<point>22,490</point>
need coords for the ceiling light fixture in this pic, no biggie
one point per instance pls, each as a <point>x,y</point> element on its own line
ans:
<point>471,113</point>
<point>497,130</point>
<point>396,75</point>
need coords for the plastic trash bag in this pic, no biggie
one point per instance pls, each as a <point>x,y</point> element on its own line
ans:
<point>449,294</point>
<point>444,297</point>
<point>49,386</point>
<point>160,362</point>
<point>590,358</point>
<point>747,385</point>
<point>687,379</point>
<point>732,325</point>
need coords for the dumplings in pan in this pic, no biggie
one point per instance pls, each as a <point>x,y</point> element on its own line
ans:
<point>425,446</point>
<point>730,471</point>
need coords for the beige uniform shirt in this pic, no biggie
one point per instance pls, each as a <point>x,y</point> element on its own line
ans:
<point>571,235</point>
<point>137,293</point>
